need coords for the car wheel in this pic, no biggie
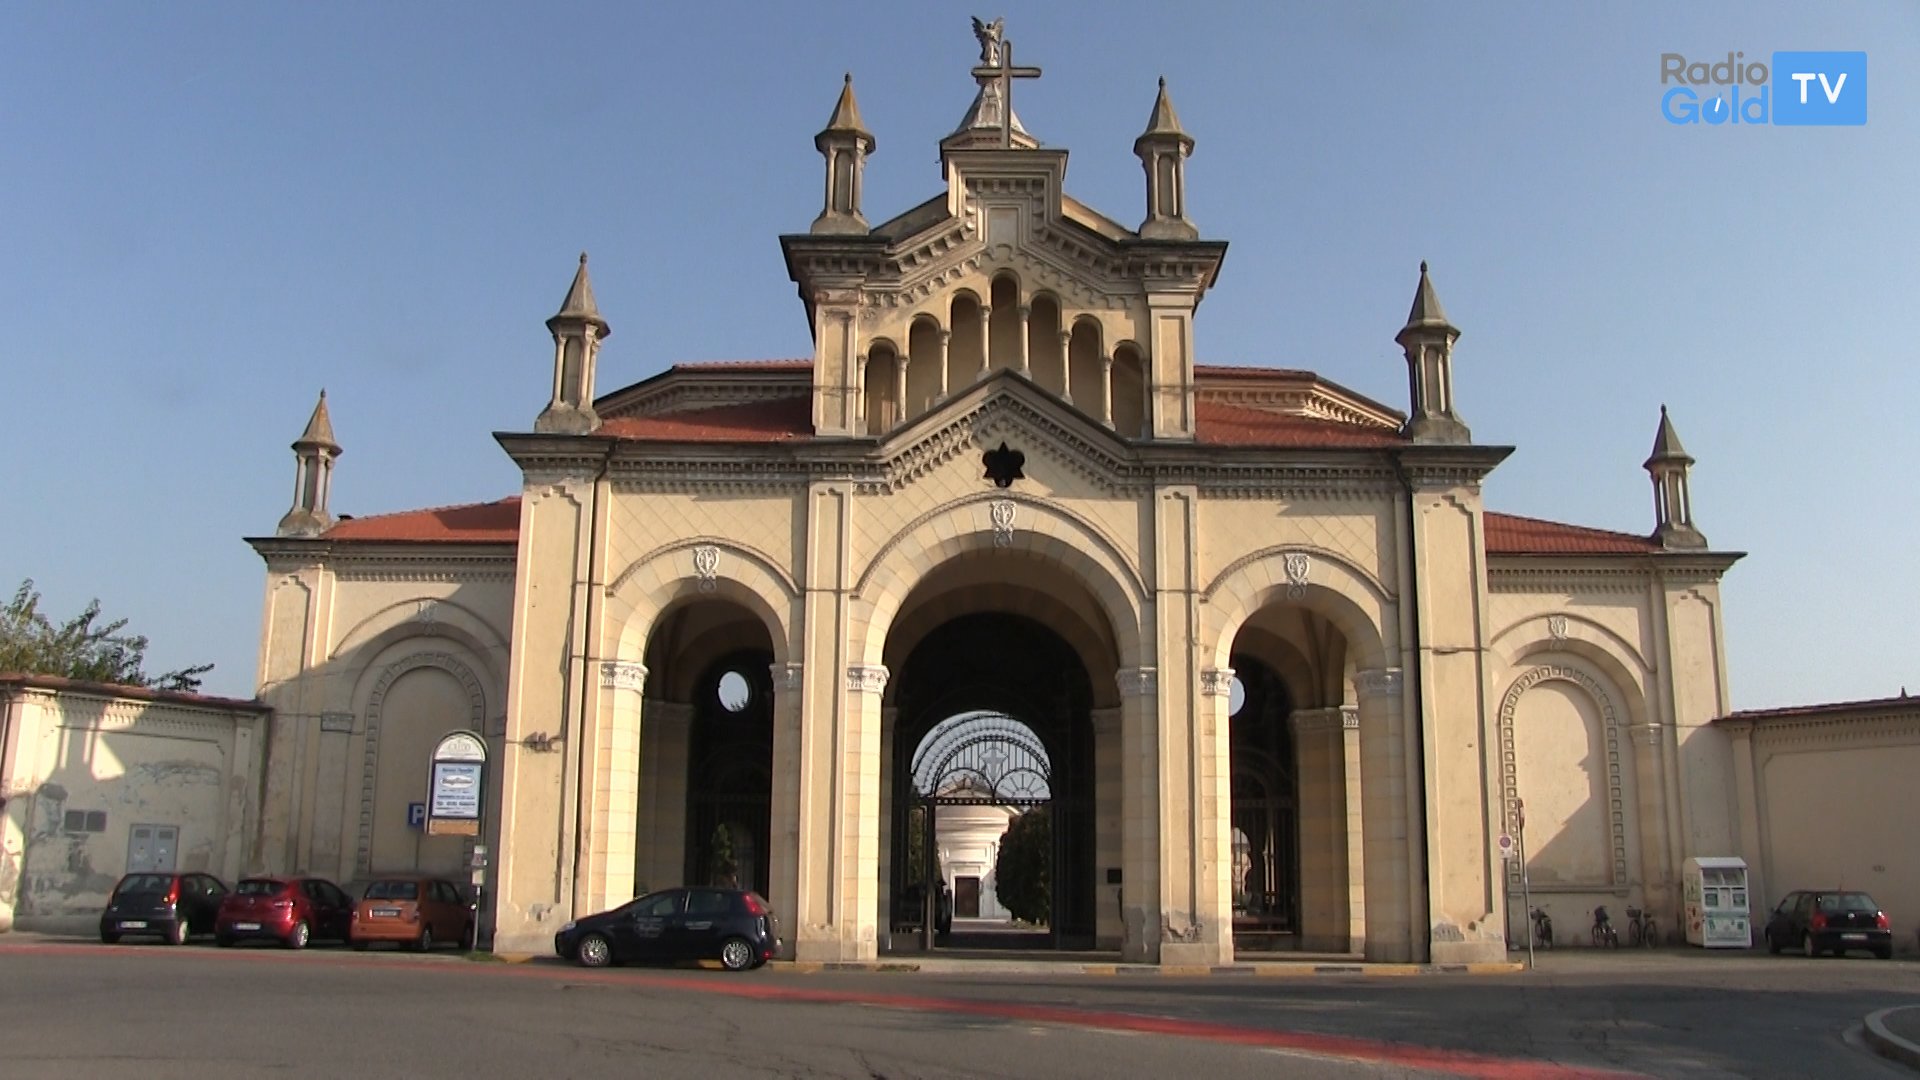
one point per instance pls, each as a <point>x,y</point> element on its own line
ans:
<point>1807,946</point>
<point>736,954</point>
<point>108,937</point>
<point>179,934</point>
<point>468,938</point>
<point>425,941</point>
<point>300,936</point>
<point>594,951</point>
<point>1773,944</point>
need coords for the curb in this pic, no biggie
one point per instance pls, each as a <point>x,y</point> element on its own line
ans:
<point>809,967</point>
<point>1886,1043</point>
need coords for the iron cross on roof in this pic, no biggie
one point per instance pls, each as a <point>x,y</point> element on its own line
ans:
<point>1002,73</point>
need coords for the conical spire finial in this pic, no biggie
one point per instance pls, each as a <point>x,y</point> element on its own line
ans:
<point>579,305</point>
<point>1666,443</point>
<point>1426,305</point>
<point>846,115</point>
<point>313,454</point>
<point>319,432</point>
<point>1669,466</point>
<point>1163,120</point>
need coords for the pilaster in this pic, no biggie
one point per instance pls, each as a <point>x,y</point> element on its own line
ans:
<point>1384,783</point>
<point>1326,896</point>
<point>784,816</point>
<point>615,788</point>
<point>1140,797</point>
<point>660,849</point>
<point>1109,827</point>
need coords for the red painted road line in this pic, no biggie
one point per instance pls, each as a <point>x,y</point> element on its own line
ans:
<point>1342,1047</point>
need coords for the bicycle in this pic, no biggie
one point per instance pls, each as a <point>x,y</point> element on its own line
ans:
<point>1604,935</point>
<point>1641,929</point>
<point>1542,928</point>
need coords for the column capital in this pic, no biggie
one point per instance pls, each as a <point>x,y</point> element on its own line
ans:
<point>866,678</point>
<point>623,675</point>
<point>1137,682</point>
<point>786,676</point>
<point>1339,718</point>
<point>1379,682</point>
<point>946,336</point>
<point>1216,682</point>
<point>1646,734</point>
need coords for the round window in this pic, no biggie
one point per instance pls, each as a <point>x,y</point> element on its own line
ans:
<point>1236,697</point>
<point>735,691</point>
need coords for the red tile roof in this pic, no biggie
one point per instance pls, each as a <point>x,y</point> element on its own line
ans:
<point>1248,371</point>
<point>475,523</point>
<point>1219,424</point>
<point>779,420</point>
<point>1849,708</point>
<point>1511,535</point>
<point>738,365</point>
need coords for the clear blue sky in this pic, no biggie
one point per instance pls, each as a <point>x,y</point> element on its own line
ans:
<point>208,211</point>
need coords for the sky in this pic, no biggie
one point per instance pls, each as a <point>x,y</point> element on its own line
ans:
<point>211,211</point>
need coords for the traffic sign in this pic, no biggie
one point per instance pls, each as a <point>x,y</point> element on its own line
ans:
<point>1506,846</point>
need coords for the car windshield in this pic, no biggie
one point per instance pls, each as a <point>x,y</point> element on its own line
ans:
<point>259,887</point>
<point>394,890</point>
<point>1843,902</point>
<point>145,883</point>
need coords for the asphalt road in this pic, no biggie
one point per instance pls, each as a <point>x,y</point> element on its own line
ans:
<point>152,1012</point>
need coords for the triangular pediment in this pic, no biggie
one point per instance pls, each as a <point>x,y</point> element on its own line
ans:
<point>1006,407</point>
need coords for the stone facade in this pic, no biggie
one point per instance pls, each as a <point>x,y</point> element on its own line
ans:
<point>1004,481</point>
<point>97,781</point>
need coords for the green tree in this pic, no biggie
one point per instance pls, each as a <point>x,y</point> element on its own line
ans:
<point>81,648</point>
<point>721,868</point>
<point>1023,870</point>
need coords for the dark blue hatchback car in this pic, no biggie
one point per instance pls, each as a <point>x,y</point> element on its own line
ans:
<point>733,926</point>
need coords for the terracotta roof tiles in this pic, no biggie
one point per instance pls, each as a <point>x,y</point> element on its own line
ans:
<point>778,420</point>
<point>1508,534</point>
<point>1219,424</point>
<point>474,523</point>
<point>1835,709</point>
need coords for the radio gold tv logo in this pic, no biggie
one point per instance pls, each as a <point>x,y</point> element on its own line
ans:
<point>1790,89</point>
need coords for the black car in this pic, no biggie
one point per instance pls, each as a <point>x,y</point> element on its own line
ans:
<point>733,926</point>
<point>1830,920</point>
<point>172,907</point>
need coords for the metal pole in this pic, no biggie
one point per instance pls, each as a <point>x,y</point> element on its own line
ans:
<point>1526,890</point>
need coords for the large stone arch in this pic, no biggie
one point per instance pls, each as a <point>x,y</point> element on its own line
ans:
<point>1518,644</point>
<point>1300,575</point>
<point>700,568</point>
<point>371,697</point>
<point>1615,748</point>
<point>1009,522</point>
<point>425,617</point>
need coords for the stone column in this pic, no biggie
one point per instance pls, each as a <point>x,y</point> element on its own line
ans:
<point>1384,784</point>
<point>1108,829</point>
<point>900,389</point>
<point>986,341</point>
<point>1140,823</point>
<point>1320,756</point>
<point>859,409</point>
<point>856,814</point>
<point>1106,389</point>
<point>1210,828</point>
<point>883,912</point>
<point>1021,340</point>
<point>616,785</point>
<point>1356,831</point>
<point>1066,366</point>
<point>783,816</point>
<point>946,340</point>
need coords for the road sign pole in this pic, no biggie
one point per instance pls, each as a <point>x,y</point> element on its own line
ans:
<point>1526,889</point>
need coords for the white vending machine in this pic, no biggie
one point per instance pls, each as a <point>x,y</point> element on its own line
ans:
<point>1717,912</point>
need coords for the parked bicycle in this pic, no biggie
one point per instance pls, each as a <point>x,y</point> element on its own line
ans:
<point>1542,929</point>
<point>1604,935</point>
<point>1641,929</point>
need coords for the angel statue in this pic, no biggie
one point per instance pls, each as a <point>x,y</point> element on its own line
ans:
<point>989,35</point>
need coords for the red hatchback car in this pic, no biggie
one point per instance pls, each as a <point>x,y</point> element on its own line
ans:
<point>292,911</point>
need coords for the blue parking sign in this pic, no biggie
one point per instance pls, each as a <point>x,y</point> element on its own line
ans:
<point>416,815</point>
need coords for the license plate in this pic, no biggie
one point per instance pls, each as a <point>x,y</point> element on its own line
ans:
<point>246,926</point>
<point>1853,937</point>
<point>133,924</point>
<point>386,912</point>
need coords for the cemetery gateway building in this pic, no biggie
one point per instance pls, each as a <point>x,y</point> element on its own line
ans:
<point>1251,638</point>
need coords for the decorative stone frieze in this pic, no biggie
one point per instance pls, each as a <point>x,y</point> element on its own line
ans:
<point>1216,682</point>
<point>1379,682</point>
<point>866,678</point>
<point>1137,682</point>
<point>623,675</point>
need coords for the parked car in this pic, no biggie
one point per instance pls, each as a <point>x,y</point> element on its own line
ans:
<point>291,910</point>
<point>1830,920</point>
<point>733,926</point>
<point>412,911</point>
<point>172,906</point>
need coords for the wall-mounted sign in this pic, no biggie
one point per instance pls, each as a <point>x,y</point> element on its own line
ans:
<point>457,785</point>
<point>416,815</point>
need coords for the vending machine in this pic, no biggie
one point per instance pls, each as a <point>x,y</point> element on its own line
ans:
<point>1717,910</point>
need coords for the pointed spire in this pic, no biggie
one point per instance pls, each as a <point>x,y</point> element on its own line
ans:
<point>1426,306</point>
<point>846,115</point>
<point>579,305</point>
<point>1163,120</point>
<point>319,433</point>
<point>1666,444</point>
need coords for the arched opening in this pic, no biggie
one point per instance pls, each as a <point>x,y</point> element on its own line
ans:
<point>1129,391</point>
<point>1045,358</point>
<point>1087,375</point>
<point>967,349</point>
<point>882,373</point>
<point>1265,817</point>
<point>706,751</point>
<point>993,714</point>
<point>1005,341</point>
<point>925,379</point>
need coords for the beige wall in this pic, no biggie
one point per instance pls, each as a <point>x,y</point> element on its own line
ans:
<point>126,759</point>
<point>1828,800</point>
